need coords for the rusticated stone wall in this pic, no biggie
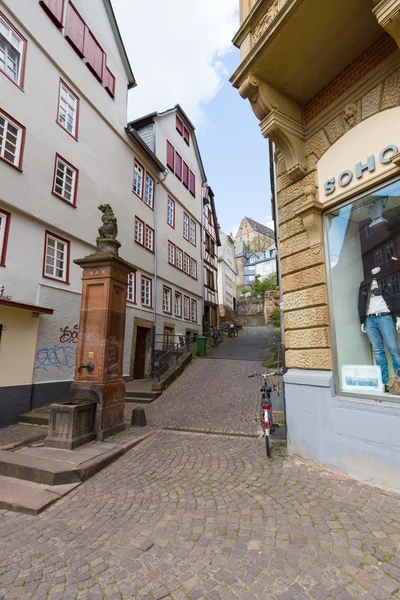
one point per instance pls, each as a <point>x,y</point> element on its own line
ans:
<point>308,339</point>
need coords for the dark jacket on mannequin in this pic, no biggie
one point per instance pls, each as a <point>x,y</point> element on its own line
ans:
<point>392,301</point>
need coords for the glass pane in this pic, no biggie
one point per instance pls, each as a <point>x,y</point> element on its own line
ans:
<point>364,262</point>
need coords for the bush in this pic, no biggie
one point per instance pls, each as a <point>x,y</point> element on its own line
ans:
<point>275,317</point>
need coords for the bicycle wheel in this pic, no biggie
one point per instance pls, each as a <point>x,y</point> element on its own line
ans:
<point>213,341</point>
<point>267,446</point>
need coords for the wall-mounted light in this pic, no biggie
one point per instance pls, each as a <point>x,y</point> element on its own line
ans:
<point>375,212</point>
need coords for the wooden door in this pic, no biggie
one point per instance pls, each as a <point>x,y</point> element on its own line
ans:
<point>140,353</point>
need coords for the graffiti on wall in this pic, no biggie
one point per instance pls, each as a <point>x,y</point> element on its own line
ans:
<point>69,335</point>
<point>56,356</point>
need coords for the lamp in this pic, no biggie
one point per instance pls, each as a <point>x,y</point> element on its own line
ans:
<point>375,212</point>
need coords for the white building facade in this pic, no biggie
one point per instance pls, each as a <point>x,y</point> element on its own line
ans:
<point>227,274</point>
<point>64,150</point>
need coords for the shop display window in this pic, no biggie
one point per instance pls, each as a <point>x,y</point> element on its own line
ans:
<point>363,246</point>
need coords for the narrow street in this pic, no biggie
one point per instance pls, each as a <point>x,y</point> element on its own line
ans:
<point>196,512</point>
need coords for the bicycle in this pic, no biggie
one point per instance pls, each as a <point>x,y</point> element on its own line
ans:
<point>267,424</point>
<point>215,336</point>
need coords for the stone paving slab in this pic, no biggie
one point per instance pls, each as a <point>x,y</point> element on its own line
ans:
<point>19,434</point>
<point>187,516</point>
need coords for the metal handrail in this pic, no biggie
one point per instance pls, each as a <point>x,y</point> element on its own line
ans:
<point>174,352</point>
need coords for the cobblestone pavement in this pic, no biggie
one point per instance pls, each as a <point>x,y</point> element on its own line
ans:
<point>191,516</point>
<point>252,343</point>
<point>211,395</point>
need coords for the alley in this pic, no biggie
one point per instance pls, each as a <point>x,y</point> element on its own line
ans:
<point>190,515</point>
<point>252,343</point>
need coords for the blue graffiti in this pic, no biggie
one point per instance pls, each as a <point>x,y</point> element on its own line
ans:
<point>56,356</point>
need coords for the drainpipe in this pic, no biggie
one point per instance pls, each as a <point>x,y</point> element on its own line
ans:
<point>203,187</point>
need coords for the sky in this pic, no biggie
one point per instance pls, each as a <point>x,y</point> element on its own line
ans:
<point>181,52</point>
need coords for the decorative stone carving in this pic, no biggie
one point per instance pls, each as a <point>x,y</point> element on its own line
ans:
<point>106,241</point>
<point>387,13</point>
<point>310,211</point>
<point>267,19</point>
<point>281,121</point>
<point>350,115</point>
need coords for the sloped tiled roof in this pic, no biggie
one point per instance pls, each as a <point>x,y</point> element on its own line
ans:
<point>260,228</point>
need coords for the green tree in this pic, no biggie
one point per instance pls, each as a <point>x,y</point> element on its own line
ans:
<point>260,286</point>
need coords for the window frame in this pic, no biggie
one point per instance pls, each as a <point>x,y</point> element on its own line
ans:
<point>170,155</point>
<point>21,147</point>
<point>186,255</point>
<point>171,245</point>
<point>133,276</point>
<point>185,215</point>
<point>193,262</point>
<point>4,237</point>
<point>74,135</point>
<point>191,174</point>
<point>137,163</point>
<point>178,295</point>
<point>184,307</point>
<point>193,302</point>
<point>21,79</point>
<point>144,278</point>
<point>185,174</point>
<point>177,249</point>
<point>193,222</point>
<point>179,125</point>
<point>169,199</point>
<point>76,180</point>
<point>67,243</point>
<point>143,224</point>
<point>146,229</point>
<point>169,290</point>
<point>148,176</point>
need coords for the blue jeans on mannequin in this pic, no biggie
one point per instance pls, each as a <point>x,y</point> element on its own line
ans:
<point>379,330</point>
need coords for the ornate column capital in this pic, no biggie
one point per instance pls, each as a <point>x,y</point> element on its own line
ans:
<point>387,13</point>
<point>310,211</point>
<point>281,121</point>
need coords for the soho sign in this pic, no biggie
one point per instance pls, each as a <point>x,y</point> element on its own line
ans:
<point>347,176</point>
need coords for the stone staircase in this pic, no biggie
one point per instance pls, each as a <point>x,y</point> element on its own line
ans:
<point>141,391</point>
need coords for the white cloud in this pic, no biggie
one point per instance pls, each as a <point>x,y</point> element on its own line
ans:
<point>176,49</point>
<point>268,222</point>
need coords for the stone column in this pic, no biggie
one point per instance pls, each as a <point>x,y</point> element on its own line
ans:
<point>101,339</point>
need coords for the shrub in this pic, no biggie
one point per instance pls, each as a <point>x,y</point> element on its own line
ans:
<point>275,317</point>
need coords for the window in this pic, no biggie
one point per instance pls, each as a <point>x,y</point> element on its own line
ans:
<point>167,300</point>
<point>179,259</point>
<point>192,232</point>
<point>252,260</point>
<point>147,285</point>
<point>179,125</point>
<point>149,238</point>
<point>4,228</point>
<point>12,52</point>
<point>186,226</point>
<point>185,175</point>
<point>12,136</point>
<point>186,135</point>
<point>55,10</point>
<point>193,268</point>
<point>109,81</point>
<point>178,165</point>
<point>353,272</point>
<point>178,305</point>
<point>75,29</point>
<point>192,184</point>
<point>138,179</point>
<point>65,184</point>
<point>131,292</point>
<point>186,308</point>
<point>56,258</point>
<point>170,156</point>
<point>186,263</point>
<point>193,310</point>
<point>94,55</point>
<point>139,229</point>
<point>149,191</point>
<point>171,212</point>
<point>210,279</point>
<point>171,253</point>
<point>68,110</point>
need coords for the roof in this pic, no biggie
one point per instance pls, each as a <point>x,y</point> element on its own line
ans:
<point>121,47</point>
<point>260,228</point>
<point>146,148</point>
<point>22,306</point>
<point>149,118</point>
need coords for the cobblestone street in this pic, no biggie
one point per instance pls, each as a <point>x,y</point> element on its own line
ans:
<point>188,515</point>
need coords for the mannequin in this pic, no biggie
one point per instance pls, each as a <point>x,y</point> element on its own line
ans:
<point>380,320</point>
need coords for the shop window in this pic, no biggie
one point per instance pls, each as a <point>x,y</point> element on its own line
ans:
<point>365,289</point>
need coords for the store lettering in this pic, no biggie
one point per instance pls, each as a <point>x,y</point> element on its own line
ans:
<point>347,176</point>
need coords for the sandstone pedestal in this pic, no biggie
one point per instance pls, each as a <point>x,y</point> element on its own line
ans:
<point>71,425</point>
<point>101,340</point>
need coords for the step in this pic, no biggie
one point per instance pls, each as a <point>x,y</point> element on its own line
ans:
<point>38,416</point>
<point>36,469</point>
<point>28,497</point>
<point>141,396</point>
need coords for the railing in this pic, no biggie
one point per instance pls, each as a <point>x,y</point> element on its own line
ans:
<point>167,349</point>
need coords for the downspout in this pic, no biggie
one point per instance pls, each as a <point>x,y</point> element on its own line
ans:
<point>203,187</point>
<point>165,174</point>
<point>275,216</point>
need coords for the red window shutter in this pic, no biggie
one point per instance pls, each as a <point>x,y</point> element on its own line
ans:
<point>94,55</point>
<point>179,125</point>
<point>192,183</point>
<point>178,165</point>
<point>185,175</point>
<point>75,30</point>
<point>55,9</point>
<point>186,135</point>
<point>170,156</point>
<point>109,81</point>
